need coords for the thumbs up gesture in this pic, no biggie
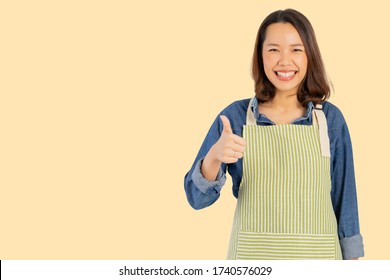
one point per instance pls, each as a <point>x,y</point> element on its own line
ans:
<point>230,147</point>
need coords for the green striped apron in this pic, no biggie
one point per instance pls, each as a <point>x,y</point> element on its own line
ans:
<point>284,208</point>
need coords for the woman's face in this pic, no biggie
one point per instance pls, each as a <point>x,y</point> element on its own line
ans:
<point>284,57</point>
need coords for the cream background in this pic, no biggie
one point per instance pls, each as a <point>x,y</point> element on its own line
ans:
<point>104,105</point>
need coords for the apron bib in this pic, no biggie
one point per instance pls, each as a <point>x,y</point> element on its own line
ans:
<point>284,208</point>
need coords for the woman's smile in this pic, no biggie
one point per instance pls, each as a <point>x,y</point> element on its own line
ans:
<point>285,75</point>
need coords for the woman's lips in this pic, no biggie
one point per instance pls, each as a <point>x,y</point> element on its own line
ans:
<point>285,75</point>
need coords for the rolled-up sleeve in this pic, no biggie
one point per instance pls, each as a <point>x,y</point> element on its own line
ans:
<point>205,186</point>
<point>352,247</point>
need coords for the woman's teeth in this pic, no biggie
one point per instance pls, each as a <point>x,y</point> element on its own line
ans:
<point>286,74</point>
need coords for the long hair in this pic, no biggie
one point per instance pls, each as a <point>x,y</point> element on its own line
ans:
<point>315,86</point>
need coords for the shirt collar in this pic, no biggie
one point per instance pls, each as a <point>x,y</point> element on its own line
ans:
<point>263,119</point>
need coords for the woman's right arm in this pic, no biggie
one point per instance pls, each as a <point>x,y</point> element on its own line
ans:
<point>206,178</point>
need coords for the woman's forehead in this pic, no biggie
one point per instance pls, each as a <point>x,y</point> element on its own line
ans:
<point>282,33</point>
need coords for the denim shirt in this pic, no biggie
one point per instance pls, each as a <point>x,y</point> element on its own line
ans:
<point>202,193</point>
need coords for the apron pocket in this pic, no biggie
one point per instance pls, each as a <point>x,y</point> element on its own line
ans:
<point>279,246</point>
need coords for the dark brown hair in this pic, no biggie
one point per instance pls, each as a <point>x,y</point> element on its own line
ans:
<point>315,86</point>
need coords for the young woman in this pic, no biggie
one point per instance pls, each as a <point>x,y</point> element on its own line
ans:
<point>289,154</point>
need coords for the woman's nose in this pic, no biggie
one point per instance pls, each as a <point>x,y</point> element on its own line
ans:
<point>284,60</point>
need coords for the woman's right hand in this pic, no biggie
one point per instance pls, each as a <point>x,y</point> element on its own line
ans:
<point>228,149</point>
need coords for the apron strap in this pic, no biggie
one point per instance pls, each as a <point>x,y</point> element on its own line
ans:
<point>250,117</point>
<point>318,117</point>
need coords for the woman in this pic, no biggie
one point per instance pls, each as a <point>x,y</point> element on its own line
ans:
<point>289,154</point>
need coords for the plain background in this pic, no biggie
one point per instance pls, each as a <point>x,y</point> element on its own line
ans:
<point>104,105</point>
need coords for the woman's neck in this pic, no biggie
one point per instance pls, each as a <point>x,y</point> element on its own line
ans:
<point>284,102</point>
<point>283,109</point>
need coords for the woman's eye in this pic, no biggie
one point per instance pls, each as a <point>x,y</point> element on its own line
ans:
<point>298,50</point>
<point>273,50</point>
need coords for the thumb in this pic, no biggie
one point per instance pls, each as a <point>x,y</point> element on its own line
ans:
<point>226,124</point>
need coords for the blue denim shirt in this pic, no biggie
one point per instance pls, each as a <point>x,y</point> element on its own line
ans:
<point>202,193</point>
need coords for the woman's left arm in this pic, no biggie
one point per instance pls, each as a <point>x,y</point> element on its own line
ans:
<point>343,193</point>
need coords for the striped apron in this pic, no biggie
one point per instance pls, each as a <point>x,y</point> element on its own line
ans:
<point>284,208</point>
